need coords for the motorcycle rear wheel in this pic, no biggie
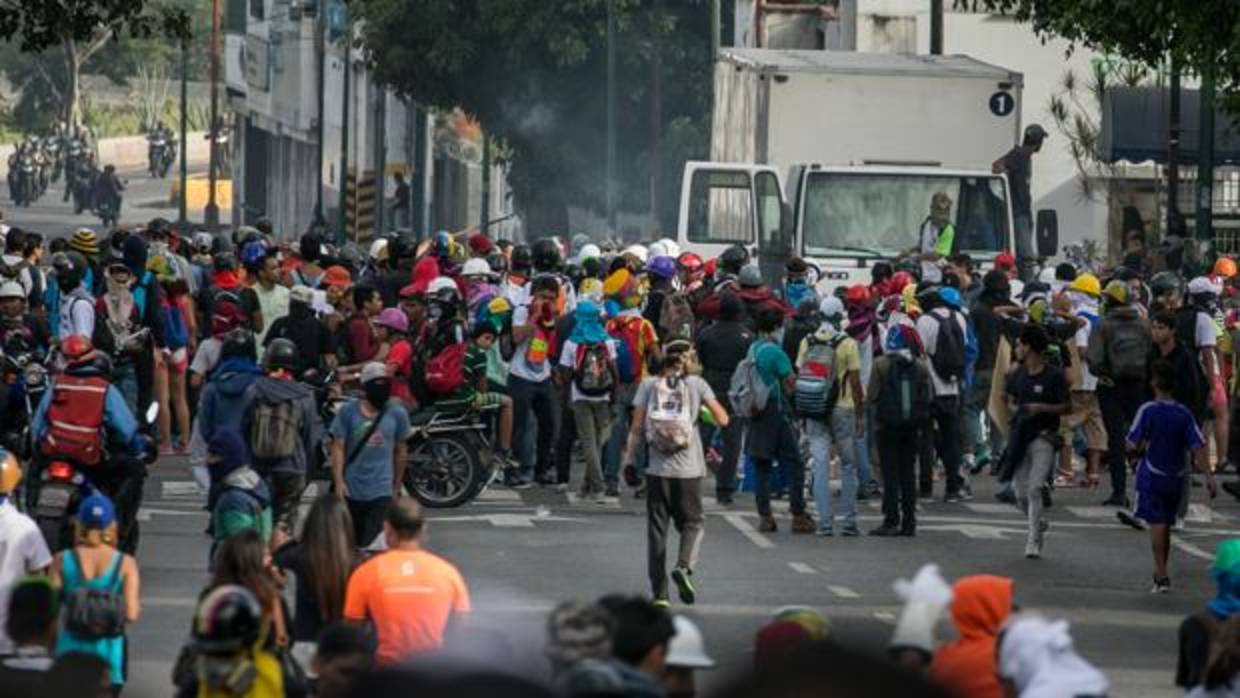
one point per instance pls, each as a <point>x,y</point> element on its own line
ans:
<point>445,471</point>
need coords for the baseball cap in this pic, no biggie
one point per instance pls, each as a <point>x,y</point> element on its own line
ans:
<point>301,294</point>
<point>337,276</point>
<point>96,511</point>
<point>374,371</point>
<point>1005,260</point>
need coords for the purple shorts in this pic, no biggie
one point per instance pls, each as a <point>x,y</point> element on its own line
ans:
<point>1159,507</point>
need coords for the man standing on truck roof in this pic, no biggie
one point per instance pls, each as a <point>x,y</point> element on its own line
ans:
<point>938,236</point>
<point>1017,164</point>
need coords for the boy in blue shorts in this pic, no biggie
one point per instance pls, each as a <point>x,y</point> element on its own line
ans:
<point>1162,434</point>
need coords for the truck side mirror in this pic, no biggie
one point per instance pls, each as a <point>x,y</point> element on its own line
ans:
<point>1047,232</point>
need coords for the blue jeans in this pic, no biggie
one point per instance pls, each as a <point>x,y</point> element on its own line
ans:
<point>619,436</point>
<point>841,430</point>
<point>125,378</point>
<point>862,446</point>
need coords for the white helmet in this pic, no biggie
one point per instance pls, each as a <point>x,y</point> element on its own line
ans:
<point>379,249</point>
<point>588,251</point>
<point>658,249</point>
<point>12,289</point>
<point>441,283</point>
<point>475,266</point>
<point>1203,285</point>
<point>638,251</point>
<point>1047,276</point>
<point>673,249</point>
<point>687,649</point>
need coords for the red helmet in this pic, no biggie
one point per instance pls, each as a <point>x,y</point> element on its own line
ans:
<point>689,262</point>
<point>711,266</point>
<point>857,295</point>
<point>898,281</point>
<point>77,348</point>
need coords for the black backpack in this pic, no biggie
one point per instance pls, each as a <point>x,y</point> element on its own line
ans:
<point>904,397</point>
<point>948,358</point>
<point>95,614</point>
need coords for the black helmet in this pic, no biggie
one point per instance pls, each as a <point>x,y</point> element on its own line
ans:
<point>70,269</point>
<point>240,342</point>
<point>103,363</point>
<point>522,259</point>
<point>546,255</point>
<point>281,353</point>
<point>227,621</point>
<point>498,262</point>
<point>1166,284</point>
<point>1034,134</point>
<point>733,259</point>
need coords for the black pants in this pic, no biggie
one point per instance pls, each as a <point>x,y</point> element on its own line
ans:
<point>567,435</point>
<point>541,400</point>
<point>895,456</point>
<point>1119,404</point>
<point>946,413</point>
<point>732,436</point>
<point>368,516</point>
<point>679,501</point>
<point>789,457</point>
<point>924,443</point>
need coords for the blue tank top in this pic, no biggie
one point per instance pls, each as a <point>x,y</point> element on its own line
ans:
<point>110,649</point>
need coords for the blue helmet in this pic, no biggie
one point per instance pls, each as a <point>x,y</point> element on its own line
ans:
<point>662,267</point>
<point>950,296</point>
<point>253,253</point>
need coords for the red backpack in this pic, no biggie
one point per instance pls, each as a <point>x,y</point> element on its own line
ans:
<point>75,419</point>
<point>630,352</point>
<point>445,372</point>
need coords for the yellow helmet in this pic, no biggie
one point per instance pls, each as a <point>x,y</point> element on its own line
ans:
<point>1087,283</point>
<point>1116,291</point>
<point>10,472</point>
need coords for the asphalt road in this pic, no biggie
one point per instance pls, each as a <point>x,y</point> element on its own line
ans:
<point>522,552</point>
<point>144,199</point>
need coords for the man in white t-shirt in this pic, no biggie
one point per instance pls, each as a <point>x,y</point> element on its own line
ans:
<point>530,385</point>
<point>22,550</point>
<point>1204,294</point>
<point>937,238</point>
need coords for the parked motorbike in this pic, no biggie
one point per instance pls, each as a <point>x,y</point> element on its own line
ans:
<point>160,155</point>
<point>56,487</point>
<point>450,458</point>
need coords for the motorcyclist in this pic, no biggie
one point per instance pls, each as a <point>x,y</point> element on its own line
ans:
<point>83,419</point>
<point>15,322</point>
<point>108,190</point>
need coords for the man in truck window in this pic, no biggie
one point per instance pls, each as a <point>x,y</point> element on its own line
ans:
<point>1017,164</point>
<point>938,235</point>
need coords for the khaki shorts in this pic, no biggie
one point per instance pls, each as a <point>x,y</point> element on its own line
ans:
<point>1085,413</point>
<point>488,399</point>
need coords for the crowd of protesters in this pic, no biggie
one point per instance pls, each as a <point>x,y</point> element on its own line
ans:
<point>643,372</point>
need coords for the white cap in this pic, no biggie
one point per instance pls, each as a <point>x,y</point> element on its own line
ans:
<point>373,371</point>
<point>1203,284</point>
<point>476,266</point>
<point>379,249</point>
<point>301,294</point>
<point>687,649</point>
<point>12,289</point>
<point>831,306</point>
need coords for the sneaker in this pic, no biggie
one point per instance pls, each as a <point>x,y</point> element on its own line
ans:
<point>908,532</point>
<point>969,464</point>
<point>1117,500</point>
<point>824,533</point>
<point>1129,520</point>
<point>1033,550</point>
<point>850,531</point>
<point>1047,502</point>
<point>562,487</point>
<point>767,525</point>
<point>953,497</point>
<point>1006,496</point>
<point>505,461</point>
<point>1162,585</point>
<point>803,523</point>
<point>514,481</point>
<point>885,531</point>
<point>681,576</point>
<point>598,497</point>
<point>966,492</point>
<point>547,480</point>
<point>661,603</point>
<point>723,500</point>
<point>612,490</point>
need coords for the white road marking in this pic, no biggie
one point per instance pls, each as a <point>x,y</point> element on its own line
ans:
<point>992,509</point>
<point>843,592</point>
<point>739,523</point>
<point>1094,513</point>
<point>976,531</point>
<point>885,616</point>
<point>1191,549</point>
<point>507,520</point>
<point>802,568</point>
<point>144,514</point>
<point>494,494</point>
<point>179,488</point>
<point>1200,513</point>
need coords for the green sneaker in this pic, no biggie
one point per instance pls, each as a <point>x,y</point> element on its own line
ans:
<point>684,584</point>
<point>661,603</point>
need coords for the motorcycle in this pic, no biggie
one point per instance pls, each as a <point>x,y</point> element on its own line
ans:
<point>57,487</point>
<point>160,156</point>
<point>26,182</point>
<point>450,460</point>
<point>26,375</point>
<point>74,153</point>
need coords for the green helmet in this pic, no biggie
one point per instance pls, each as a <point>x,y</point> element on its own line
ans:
<point>1166,284</point>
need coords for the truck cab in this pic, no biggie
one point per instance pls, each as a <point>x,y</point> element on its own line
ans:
<point>841,219</point>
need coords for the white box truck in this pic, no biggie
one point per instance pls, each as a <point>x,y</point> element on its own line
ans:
<point>833,156</point>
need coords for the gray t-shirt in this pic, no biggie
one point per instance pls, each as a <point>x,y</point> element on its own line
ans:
<point>691,462</point>
<point>369,476</point>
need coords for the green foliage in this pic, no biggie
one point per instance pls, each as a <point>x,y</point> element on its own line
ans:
<point>534,74</point>
<point>42,24</point>
<point>1196,32</point>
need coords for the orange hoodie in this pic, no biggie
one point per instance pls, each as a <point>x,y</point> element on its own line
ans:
<point>966,667</point>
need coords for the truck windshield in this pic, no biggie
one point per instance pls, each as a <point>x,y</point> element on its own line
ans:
<point>846,212</point>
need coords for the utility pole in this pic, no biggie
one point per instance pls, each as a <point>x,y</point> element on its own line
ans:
<point>716,29</point>
<point>380,158</point>
<point>936,27</point>
<point>656,118</point>
<point>182,217</point>
<point>212,213</point>
<point>1173,145</point>
<point>611,117</point>
<point>486,182</point>
<point>343,179</point>
<point>1205,154</point>
<point>320,45</point>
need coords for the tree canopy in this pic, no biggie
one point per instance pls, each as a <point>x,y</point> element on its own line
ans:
<point>1194,32</point>
<point>534,74</point>
<point>41,24</point>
